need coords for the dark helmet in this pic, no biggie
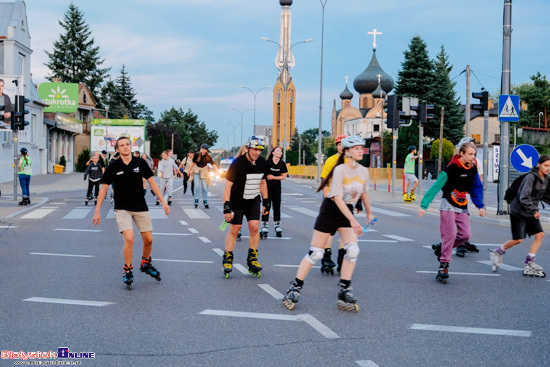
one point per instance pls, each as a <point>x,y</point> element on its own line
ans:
<point>204,146</point>
<point>24,150</point>
<point>412,147</point>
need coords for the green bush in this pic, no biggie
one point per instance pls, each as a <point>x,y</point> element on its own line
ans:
<point>81,160</point>
<point>62,161</point>
<point>448,150</point>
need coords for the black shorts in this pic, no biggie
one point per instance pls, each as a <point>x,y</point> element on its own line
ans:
<point>331,218</point>
<point>521,227</point>
<point>252,212</point>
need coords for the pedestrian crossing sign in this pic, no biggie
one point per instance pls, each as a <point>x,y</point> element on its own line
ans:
<point>508,108</point>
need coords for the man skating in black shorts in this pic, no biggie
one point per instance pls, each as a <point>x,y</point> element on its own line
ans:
<point>245,182</point>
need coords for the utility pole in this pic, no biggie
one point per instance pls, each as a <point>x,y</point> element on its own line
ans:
<point>467,110</point>
<point>440,141</point>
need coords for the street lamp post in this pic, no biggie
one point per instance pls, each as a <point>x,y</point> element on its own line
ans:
<point>285,81</point>
<point>242,121</point>
<point>234,126</point>
<point>254,94</point>
<point>321,95</point>
<point>106,128</point>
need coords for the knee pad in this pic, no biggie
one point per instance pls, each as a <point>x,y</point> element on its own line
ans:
<point>352,252</point>
<point>315,254</point>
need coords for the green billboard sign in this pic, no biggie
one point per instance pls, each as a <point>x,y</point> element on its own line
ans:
<point>61,97</point>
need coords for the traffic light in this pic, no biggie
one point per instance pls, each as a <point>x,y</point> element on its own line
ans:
<point>483,99</point>
<point>394,115</point>
<point>20,112</point>
<point>423,113</point>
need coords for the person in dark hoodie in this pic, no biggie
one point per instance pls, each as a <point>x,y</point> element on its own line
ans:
<point>524,217</point>
<point>459,179</point>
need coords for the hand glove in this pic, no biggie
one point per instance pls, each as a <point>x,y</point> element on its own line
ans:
<point>85,178</point>
<point>267,204</point>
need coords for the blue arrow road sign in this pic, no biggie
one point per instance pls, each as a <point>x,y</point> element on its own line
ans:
<point>508,108</point>
<point>524,157</point>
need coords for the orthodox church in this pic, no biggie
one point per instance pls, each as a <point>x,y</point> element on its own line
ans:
<point>366,120</point>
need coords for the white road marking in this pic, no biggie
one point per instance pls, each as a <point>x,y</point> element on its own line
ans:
<point>219,251</point>
<point>310,320</point>
<point>50,207</point>
<point>183,223</point>
<point>77,230</point>
<point>380,241</point>
<point>170,234</point>
<point>391,213</point>
<point>240,268</point>
<point>77,214</point>
<point>488,244</point>
<point>8,226</point>
<point>456,273</point>
<point>193,230</point>
<point>272,291</point>
<point>471,330</point>
<point>68,255</point>
<point>292,194</point>
<point>58,203</point>
<point>204,239</point>
<point>398,238</point>
<point>196,214</point>
<point>503,266</point>
<point>110,214</point>
<point>294,266</point>
<point>68,301</point>
<point>38,213</point>
<point>185,261</point>
<point>366,363</point>
<point>157,213</point>
<point>272,238</point>
<point>306,211</point>
<point>285,216</point>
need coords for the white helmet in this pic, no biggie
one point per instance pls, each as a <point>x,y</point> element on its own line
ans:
<point>352,141</point>
<point>465,140</point>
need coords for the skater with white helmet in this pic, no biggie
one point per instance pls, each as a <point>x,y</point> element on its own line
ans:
<point>459,179</point>
<point>276,171</point>
<point>245,185</point>
<point>349,182</point>
<point>525,217</point>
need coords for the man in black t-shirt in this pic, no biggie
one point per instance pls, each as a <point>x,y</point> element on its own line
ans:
<point>244,186</point>
<point>127,173</point>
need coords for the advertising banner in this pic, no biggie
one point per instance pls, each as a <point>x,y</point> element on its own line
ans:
<point>61,97</point>
<point>7,100</point>
<point>104,134</point>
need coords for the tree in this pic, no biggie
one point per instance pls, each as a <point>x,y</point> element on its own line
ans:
<point>74,58</point>
<point>442,94</point>
<point>537,97</point>
<point>416,78</point>
<point>447,153</point>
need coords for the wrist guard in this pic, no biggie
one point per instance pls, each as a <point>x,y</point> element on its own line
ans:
<point>267,204</point>
<point>227,207</point>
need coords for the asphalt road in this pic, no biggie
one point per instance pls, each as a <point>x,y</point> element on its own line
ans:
<point>62,287</point>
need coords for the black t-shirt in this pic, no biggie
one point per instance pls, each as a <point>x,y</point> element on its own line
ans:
<point>246,178</point>
<point>275,170</point>
<point>202,160</point>
<point>128,183</point>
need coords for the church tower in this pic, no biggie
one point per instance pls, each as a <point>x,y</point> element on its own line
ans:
<point>284,91</point>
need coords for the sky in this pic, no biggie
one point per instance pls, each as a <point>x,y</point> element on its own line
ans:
<point>194,54</point>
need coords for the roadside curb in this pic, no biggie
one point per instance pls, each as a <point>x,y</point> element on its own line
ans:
<point>6,218</point>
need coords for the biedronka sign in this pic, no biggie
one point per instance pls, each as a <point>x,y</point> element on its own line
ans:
<point>61,97</point>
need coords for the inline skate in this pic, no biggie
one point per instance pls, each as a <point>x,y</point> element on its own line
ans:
<point>239,235</point>
<point>278,229</point>
<point>128,276</point>
<point>470,247</point>
<point>407,198</point>
<point>346,300</point>
<point>264,231</point>
<point>88,198</point>
<point>95,201</point>
<point>411,196</point>
<point>196,203</point>
<point>437,250</point>
<point>531,268</point>
<point>327,265</point>
<point>24,201</point>
<point>340,259</point>
<point>496,258</point>
<point>254,266</point>
<point>443,273</point>
<point>169,200</point>
<point>292,295</point>
<point>227,263</point>
<point>205,202</point>
<point>149,269</point>
<point>461,250</point>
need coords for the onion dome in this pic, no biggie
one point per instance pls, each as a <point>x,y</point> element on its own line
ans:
<point>285,2</point>
<point>379,92</point>
<point>346,94</point>
<point>367,81</point>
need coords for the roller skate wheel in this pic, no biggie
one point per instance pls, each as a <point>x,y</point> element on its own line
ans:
<point>226,275</point>
<point>543,275</point>
<point>257,275</point>
<point>288,304</point>
<point>279,234</point>
<point>524,273</point>
<point>129,286</point>
<point>157,278</point>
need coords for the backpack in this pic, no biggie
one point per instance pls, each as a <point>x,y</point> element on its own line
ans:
<point>513,190</point>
